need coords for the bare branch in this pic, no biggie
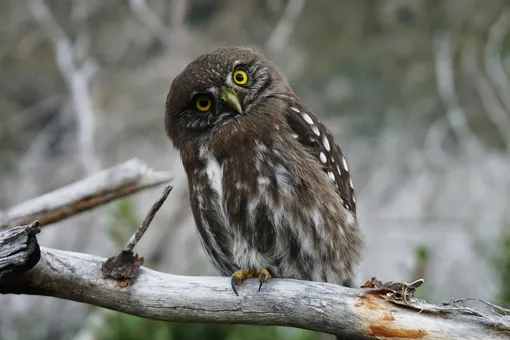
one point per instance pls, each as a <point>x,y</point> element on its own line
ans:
<point>493,109</point>
<point>178,9</point>
<point>495,308</point>
<point>88,193</point>
<point>445,80</point>
<point>151,20</point>
<point>493,61</point>
<point>125,267</point>
<point>281,33</point>
<point>354,313</point>
<point>78,79</point>
<point>147,220</point>
<point>19,250</point>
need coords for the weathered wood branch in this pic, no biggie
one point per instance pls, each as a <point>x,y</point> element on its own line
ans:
<point>355,313</point>
<point>113,183</point>
<point>19,250</point>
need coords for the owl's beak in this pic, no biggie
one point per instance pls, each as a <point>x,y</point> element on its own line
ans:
<point>229,97</point>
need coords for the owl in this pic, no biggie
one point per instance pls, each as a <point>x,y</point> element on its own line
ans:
<point>269,187</point>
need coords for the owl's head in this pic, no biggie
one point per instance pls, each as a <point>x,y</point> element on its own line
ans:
<point>218,88</point>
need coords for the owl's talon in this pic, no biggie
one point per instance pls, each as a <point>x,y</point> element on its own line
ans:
<point>233,283</point>
<point>260,285</point>
<point>239,276</point>
<point>263,276</point>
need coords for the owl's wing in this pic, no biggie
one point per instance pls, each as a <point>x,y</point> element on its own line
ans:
<point>319,141</point>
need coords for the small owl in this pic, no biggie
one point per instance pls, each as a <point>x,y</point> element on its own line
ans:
<point>269,187</point>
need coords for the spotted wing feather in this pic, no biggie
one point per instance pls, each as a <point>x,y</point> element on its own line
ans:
<point>319,141</point>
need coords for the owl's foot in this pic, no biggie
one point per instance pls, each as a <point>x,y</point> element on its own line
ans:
<point>263,276</point>
<point>239,276</point>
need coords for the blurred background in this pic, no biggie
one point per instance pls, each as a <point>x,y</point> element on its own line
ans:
<point>416,91</point>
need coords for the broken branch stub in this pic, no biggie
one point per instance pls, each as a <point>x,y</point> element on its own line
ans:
<point>19,250</point>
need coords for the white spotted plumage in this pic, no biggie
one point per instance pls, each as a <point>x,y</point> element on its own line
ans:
<point>307,118</point>
<point>315,130</point>
<point>268,187</point>
<point>331,176</point>
<point>344,162</point>
<point>312,132</point>
<point>325,142</point>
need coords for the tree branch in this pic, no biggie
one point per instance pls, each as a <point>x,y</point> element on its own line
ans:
<point>377,311</point>
<point>77,77</point>
<point>19,250</point>
<point>147,220</point>
<point>281,33</point>
<point>90,192</point>
<point>445,81</point>
<point>328,308</point>
<point>494,52</point>
<point>151,20</point>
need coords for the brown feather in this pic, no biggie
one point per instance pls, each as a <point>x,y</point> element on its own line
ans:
<point>265,189</point>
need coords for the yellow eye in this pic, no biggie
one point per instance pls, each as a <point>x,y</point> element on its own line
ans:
<point>240,77</point>
<point>203,103</point>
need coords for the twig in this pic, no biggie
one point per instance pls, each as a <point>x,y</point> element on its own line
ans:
<point>493,109</point>
<point>88,193</point>
<point>454,113</point>
<point>353,313</point>
<point>125,267</point>
<point>147,220</point>
<point>495,308</point>
<point>445,80</point>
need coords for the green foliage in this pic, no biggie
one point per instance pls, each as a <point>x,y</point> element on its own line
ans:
<point>422,254</point>
<point>122,222</point>
<point>127,327</point>
<point>498,257</point>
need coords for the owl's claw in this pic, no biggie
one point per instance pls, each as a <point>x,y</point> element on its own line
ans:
<point>233,284</point>
<point>239,276</point>
<point>263,276</point>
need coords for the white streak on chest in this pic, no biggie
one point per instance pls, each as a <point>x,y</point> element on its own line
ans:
<point>284,182</point>
<point>214,173</point>
<point>260,155</point>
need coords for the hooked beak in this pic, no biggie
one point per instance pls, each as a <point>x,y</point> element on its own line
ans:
<point>229,97</point>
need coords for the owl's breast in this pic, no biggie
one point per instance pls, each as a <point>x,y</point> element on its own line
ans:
<point>253,209</point>
<point>234,185</point>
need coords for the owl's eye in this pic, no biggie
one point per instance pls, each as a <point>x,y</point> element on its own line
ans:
<point>240,77</point>
<point>203,103</point>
